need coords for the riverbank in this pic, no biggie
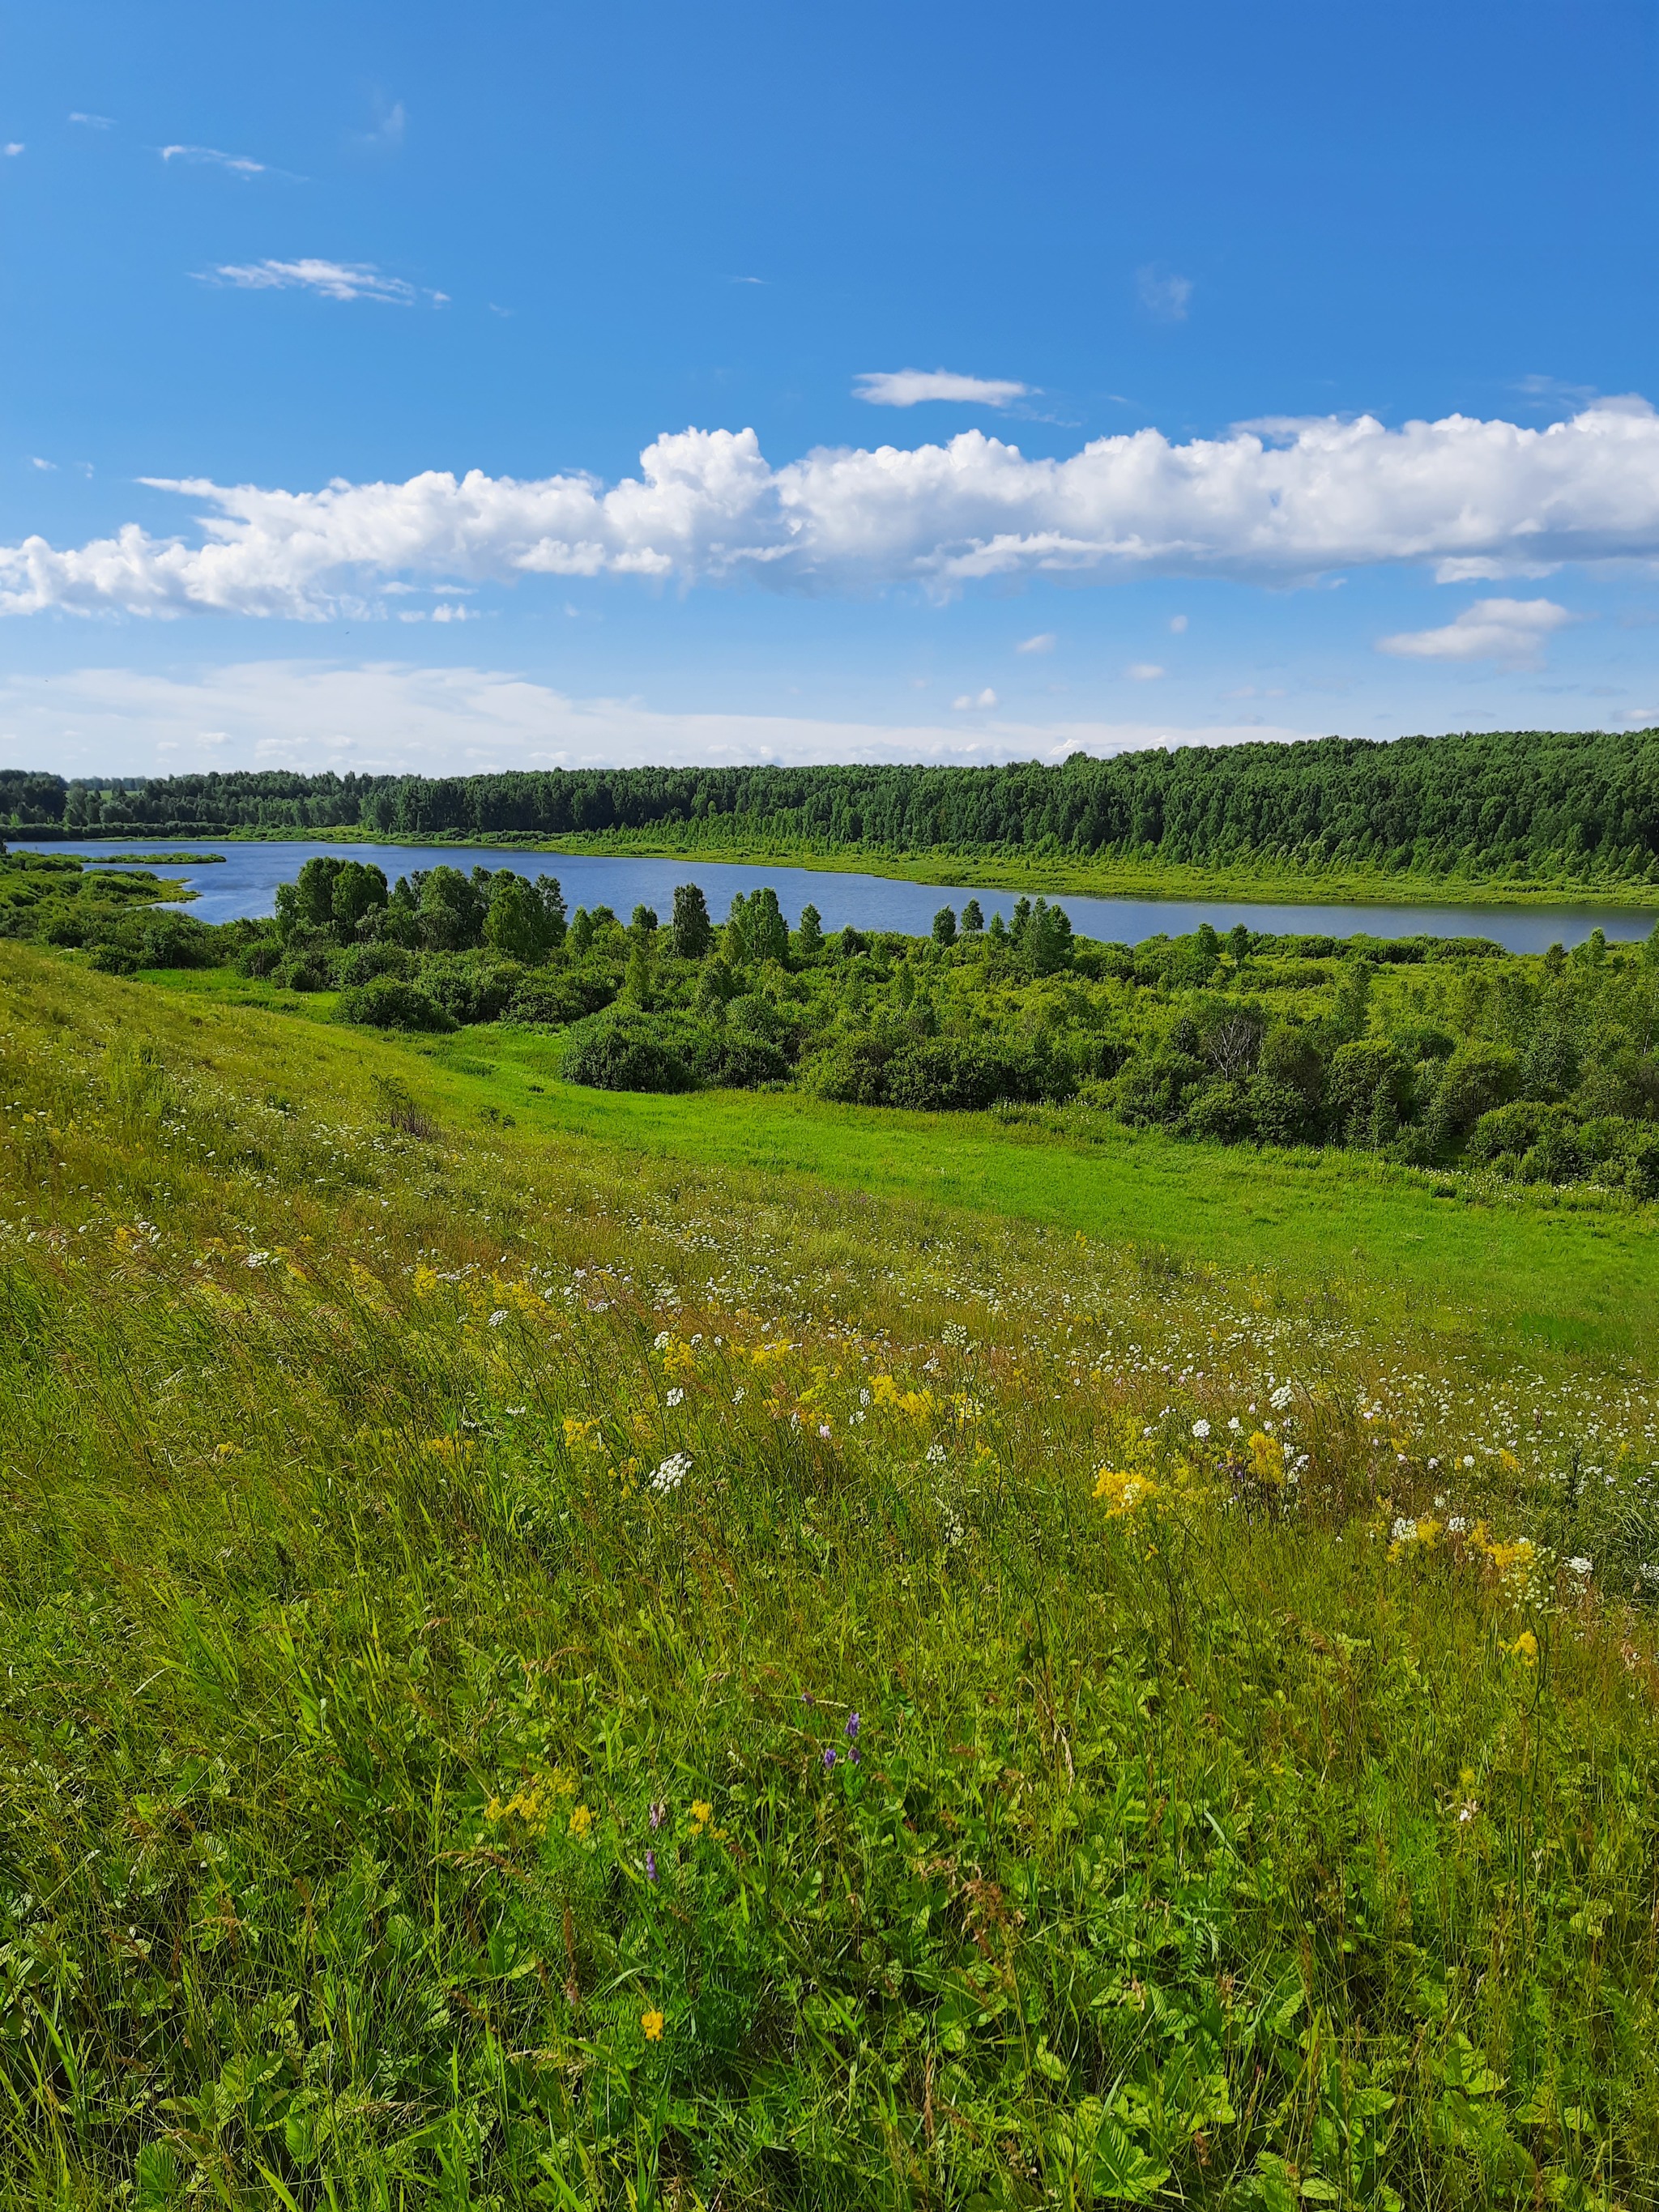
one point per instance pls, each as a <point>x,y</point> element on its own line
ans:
<point>1052,874</point>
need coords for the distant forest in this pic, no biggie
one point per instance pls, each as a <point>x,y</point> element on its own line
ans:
<point>1541,805</point>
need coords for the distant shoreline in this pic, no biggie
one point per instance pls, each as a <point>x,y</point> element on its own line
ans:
<point>1128,879</point>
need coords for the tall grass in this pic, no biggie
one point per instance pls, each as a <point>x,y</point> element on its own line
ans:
<point>528,1681</point>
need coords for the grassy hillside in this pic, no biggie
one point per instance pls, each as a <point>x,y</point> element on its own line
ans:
<point>542,1672</point>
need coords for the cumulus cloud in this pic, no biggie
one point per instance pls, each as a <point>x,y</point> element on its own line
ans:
<point>389,716</point>
<point>1509,630</point>
<point>706,505</point>
<point>1044,641</point>
<point>37,461</point>
<point>1164,295</point>
<point>331,279</point>
<point>240,164</point>
<point>973,701</point>
<point>14,147</point>
<point>906,387</point>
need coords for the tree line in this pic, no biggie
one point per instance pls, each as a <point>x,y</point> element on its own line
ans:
<point>1533,804</point>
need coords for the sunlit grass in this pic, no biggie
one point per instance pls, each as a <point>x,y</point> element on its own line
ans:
<point>444,1561</point>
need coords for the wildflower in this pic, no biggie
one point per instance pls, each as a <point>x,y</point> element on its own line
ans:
<point>1580,1566</point>
<point>1524,1647</point>
<point>1123,1492</point>
<point>1458,1525</point>
<point>675,1396</point>
<point>651,1868</point>
<point>701,1811</point>
<point>497,1318</point>
<point>670,1475</point>
<point>661,1341</point>
<point>853,1726</point>
<point>1200,1430</point>
<point>1282,1396</point>
<point>658,1809</point>
<point>831,1756</point>
<point>651,2023</point>
<point>824,1429</point>
<point>1234,1424</point>
<point>582,1821</point>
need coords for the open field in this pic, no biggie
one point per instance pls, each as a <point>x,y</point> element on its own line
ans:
<point>546,1671</point>
<point>1516,1268</point>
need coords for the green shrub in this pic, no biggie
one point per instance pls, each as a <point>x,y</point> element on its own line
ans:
<point>390,1002</point>
<point>629,1051</point>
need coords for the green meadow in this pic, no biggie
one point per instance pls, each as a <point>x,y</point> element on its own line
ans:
<point>579,1649</point>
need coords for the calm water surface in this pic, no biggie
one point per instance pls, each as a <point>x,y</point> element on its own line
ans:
<point>245,883</point>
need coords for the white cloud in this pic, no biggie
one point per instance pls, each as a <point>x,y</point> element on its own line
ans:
<point>1509,630</point>
<point>36,462</point>
<point>332,279</point>
<point>706,505</point>
<point>1143,671</point>
<point>975,701</point>
<point>1177,625</point>
<point>14,148</point>
<point>389,129</point>
<point>1044,641</point>
<point>240,163</point>
<point>389,716</point>
<point>92,122</point>
<point>1164,295</point>
<point>905,387</point>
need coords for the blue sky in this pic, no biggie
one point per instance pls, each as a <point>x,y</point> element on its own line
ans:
<point>378,248</point>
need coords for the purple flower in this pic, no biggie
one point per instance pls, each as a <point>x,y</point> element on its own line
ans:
<point>854,1754</point>
<point>651,1866</point>
<point>829,1758</point>
<point>658,1809</point>
<point>853,1726</point>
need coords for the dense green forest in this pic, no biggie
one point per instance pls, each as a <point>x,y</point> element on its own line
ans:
<point>1540,807</point>
<point>1434,1051</point>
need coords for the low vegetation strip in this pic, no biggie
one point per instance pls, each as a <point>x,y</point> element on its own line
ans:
<point>1437,1053</point>
<point>530,1679</point>
<point>1528,806</point>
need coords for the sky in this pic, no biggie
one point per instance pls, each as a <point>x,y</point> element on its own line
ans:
<point>398,387</point>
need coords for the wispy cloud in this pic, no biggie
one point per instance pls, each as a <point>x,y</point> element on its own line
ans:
<point>907,387</point>
<point>1512,631</point>
<point>745,280</point>
<point>14,149</point>
<point>706,506</point>
<point>1164,295</point>
<point>240,165</point>
<point>390,715</point>
<point>92,122</point>
<point>1143,671</point>
<point>332,279</point>
<point>1042,642</point>
<point>389,127</point>
<point>36,462</point>
<point>1177,625</point>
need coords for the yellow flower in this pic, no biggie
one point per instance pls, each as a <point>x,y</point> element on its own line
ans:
<point>701,1811</point>
<point>1525,1648</point>
<point>1123,1492</point>
<point>580,1820</point>
<point>651,2023</point>
<point>1267,1458</point>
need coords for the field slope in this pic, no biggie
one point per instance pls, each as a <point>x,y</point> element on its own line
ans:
<point>545,1671</point>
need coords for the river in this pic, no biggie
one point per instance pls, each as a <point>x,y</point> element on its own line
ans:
<point>245,883</point>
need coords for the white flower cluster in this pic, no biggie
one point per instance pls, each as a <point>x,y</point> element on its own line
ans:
<point>670,1475</point>
<point>1282,1397</point>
